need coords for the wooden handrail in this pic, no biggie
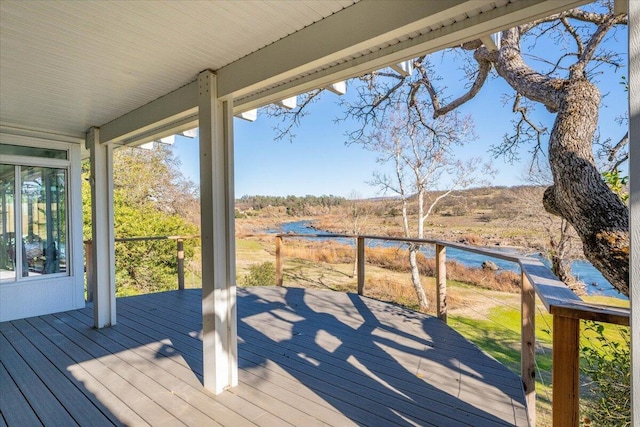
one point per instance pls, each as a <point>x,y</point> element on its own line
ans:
<point>143,238</point>
<point>536,279</point>
<point>553,293</point>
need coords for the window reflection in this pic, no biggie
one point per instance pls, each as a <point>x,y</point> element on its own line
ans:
<point>7,222</point>
<point>44,219</point>
<point>41,217</point>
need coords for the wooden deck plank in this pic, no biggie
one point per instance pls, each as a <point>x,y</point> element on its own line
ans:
<point>55,346</point>
<point>287,405</point>
<point>146,377</point>
<point>14,407</point>
<point>318,411</point>
<point>92,357</point>
<point>446,381</point>
<point>164,363</point>
<point>132,319</point>
<point>305,357</point>
<point>354,343</point>
<point>369,393</point>
<point>447,378</point>
<point>66,391</point>
<point>423,357</point>
<point>42,401</point>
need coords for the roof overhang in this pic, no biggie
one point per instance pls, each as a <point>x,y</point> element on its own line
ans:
<point>144,97</point>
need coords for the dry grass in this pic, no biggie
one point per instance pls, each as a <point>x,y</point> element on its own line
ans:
<point>397,260</point>
<point>329,252</point>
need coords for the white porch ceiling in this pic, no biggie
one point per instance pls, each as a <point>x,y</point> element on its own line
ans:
<point>68,65</point>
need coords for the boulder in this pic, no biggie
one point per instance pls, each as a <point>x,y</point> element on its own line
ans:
<point>489,265</point>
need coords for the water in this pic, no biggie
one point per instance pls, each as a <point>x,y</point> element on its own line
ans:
<point>581,269</point>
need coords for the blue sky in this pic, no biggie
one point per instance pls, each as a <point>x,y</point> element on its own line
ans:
<point>318,161</point>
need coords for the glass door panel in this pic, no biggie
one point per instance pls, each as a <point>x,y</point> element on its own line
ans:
<point>44,218</point>
<point>8,256</point>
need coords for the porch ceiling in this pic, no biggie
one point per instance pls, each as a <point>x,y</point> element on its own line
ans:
<point>66,65</point>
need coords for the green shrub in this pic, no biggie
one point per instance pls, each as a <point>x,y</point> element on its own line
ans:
<point>607,365</point>
<point>260,275</point>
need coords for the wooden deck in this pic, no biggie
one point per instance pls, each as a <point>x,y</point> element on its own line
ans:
<point>307,358</point>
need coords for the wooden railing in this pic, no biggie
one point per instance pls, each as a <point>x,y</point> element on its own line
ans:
<point>563,304</point>
<point>88,248</point>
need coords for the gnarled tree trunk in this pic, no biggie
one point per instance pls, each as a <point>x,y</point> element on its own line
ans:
<point>579,193</point>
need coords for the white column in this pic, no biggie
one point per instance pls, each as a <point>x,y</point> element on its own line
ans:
<point>634,173</point>
<point>104,298</point>
<point>219,323</point>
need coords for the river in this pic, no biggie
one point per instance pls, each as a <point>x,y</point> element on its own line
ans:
<point>581,269</point>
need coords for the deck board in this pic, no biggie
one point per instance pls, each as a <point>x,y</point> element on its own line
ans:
<point>312,358</point>
<point>43,402</point>
<point>68,390</point>
<point>13,405</point>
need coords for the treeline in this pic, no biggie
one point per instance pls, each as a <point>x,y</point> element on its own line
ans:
<point>294,205</point>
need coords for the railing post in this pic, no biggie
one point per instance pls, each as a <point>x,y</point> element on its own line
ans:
<point>360,260</point>
<point>528,346</point>
<point>441,282</point>
<point>278,260</point>
<point>88,250</point>
<point>565,371</point>
<point>180,264</point>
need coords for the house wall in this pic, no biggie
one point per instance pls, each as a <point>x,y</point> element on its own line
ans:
<point>49,294</point>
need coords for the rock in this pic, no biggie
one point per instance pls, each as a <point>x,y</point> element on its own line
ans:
<point>489,265</point>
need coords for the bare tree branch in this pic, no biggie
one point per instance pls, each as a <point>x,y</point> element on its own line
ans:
<point>594,41</point>
<point>290,119</point>
<point>571,30</point>
<point>484,67</point>
<point>619,146</point>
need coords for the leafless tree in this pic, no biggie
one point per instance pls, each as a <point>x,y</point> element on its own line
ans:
<point>422,159</point>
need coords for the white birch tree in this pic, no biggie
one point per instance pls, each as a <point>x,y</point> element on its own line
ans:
<point>422,161</point>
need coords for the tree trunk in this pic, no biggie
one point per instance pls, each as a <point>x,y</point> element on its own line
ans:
<point>415,278</point>
<point>561,268</point>
<point>579,193</point>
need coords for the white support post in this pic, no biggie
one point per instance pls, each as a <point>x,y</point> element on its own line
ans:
<point>634,204</point>
<point>104,298</point>
<point>219,319</point>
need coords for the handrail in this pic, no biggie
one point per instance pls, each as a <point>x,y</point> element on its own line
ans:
<point>563,304</point>
<point>554,294</point>
<point>143,238</point>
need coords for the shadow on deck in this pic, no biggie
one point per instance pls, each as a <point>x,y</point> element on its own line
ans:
<point>306,358</point>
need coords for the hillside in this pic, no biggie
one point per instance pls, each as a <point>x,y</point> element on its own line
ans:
<point>496,216</point>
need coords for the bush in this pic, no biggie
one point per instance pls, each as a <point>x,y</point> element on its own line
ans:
<point>607,364</point>
<point>260,275</point>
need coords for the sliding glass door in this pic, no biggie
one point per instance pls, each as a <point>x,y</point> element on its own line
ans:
<point>33,219</point>
<point>8,218</point>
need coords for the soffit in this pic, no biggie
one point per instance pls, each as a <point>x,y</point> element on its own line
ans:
<point>69,65</point>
